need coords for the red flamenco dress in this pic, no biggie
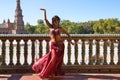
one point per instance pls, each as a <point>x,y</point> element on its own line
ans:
<point>50,64</point>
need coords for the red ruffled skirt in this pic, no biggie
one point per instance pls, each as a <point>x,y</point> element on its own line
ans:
<point>50,64</point>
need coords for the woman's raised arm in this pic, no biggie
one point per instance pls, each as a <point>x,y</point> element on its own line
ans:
<point>45,18</point>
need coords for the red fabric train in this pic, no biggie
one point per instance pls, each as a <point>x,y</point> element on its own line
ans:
<point>50,64</point>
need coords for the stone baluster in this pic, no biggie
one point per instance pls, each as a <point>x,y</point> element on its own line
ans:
<point>115,56</point>
<point>94,52</point>
<point>44,47</point>
<point>65,58</point>
<point>7,52</point>
<point>14,58</point>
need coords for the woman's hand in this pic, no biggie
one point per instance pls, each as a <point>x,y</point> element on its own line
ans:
<point>72,43</point>
<point>42,9</point>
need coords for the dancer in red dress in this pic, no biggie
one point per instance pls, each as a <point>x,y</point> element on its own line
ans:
<point>50,64</point>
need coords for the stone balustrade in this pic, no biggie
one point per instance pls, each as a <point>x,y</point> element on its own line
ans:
<point>91,53</point>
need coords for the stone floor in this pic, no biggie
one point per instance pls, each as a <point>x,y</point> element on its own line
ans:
<point>68,76</point>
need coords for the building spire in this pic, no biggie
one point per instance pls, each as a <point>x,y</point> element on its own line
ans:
<point>18,11</point>
<point>18,5</point>
<point>18,17</point>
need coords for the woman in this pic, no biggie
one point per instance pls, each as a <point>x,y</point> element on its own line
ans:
<point>50,64</point>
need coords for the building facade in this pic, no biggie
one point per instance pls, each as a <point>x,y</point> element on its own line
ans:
<point>17,27</point>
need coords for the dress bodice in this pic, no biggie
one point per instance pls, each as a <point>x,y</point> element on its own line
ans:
<point>55,31</point>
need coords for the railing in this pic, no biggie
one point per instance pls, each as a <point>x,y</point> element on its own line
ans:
<point>93,53</point>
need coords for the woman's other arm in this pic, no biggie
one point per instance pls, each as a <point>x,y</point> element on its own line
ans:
<point>64,31</point>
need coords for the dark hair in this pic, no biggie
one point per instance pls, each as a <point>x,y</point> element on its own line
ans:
<point>54,17</point>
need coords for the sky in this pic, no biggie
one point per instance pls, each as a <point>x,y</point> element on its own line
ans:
<point>73,10</point>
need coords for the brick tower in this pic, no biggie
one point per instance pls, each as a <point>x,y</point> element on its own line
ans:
<point>19,23</point>
<point>17,27</point>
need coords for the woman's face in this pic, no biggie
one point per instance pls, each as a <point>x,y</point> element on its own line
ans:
<point>56,22</point>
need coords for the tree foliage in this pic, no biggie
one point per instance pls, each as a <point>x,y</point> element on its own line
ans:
<point>107,26</point>
<point>102,26</point>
